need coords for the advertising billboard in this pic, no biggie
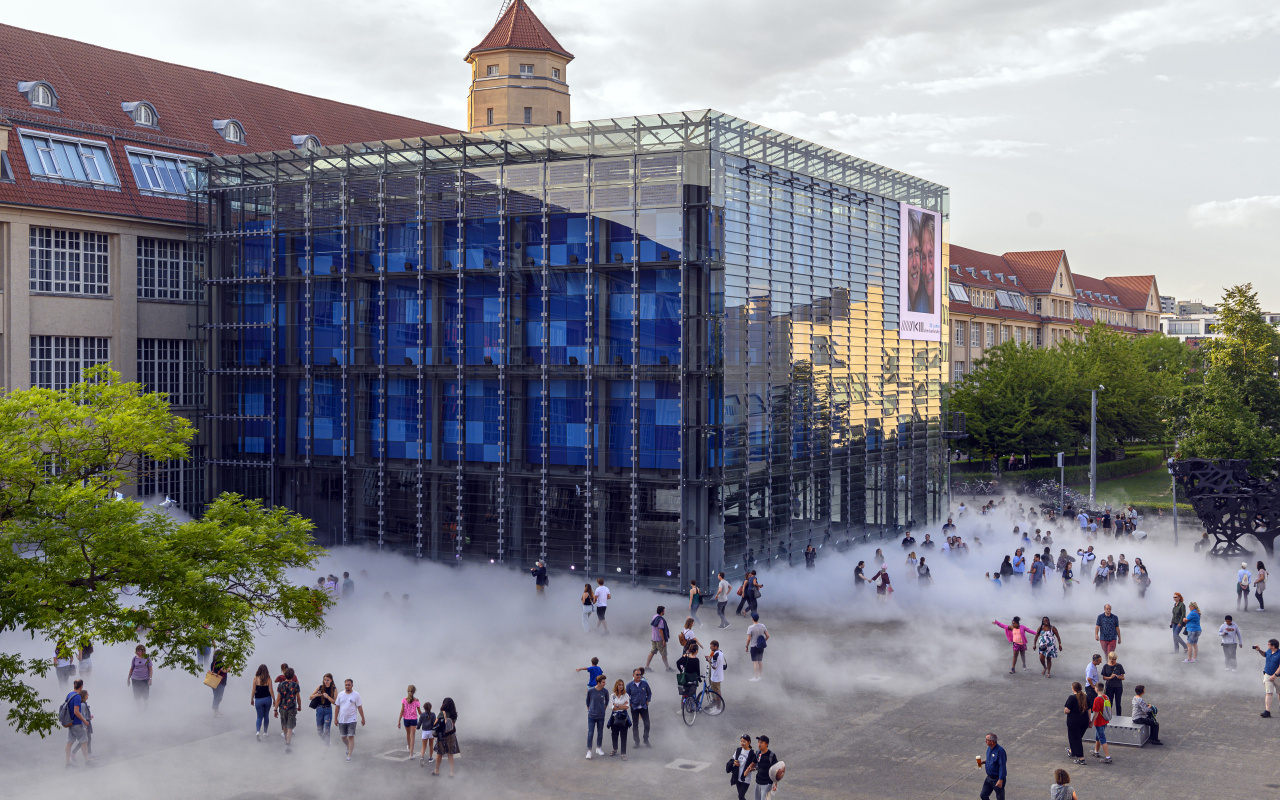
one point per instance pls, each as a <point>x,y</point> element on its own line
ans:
<point>919,274</point>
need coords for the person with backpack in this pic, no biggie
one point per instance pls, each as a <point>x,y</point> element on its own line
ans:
<point>752,592</point>
<point>757,641</point>
<point>1018,636</point>
<point>447,732</point>
<point>766,777</point>
<point>640,696</point>
<point>923,573</point>
<point>71,716</point>
<point>739,765</point>
<point>659,633</point>
<point>141,672</point>
<point>322,700</point>
<point>1103,713</point>
<point>216,668</point>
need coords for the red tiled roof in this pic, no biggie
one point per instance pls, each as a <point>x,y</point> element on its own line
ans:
<point>91,82</point>
<point>1132,289</point>
<point>1036,268</point>
<point>519,29</point>
<point>1102,292</point>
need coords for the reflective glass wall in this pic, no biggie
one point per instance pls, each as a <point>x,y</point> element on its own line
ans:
<point>646,354</point>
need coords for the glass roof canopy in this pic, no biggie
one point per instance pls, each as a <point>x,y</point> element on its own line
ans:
<point>686,130</point>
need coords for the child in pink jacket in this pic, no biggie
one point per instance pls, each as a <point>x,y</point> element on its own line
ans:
<point>1018,636</point>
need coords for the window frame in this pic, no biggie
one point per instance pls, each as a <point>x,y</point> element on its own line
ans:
<point>488,116</point>
<point>47,157</point>
<point>185,169</point>
<point>528,115</point>
<point>6,169</point>
<point>960,333</point>
<point>526,70</point>
<point>555,74</point>
<point>42,96</point>
<point>491,71</point>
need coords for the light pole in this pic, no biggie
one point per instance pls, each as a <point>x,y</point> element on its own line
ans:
<point>1062,484</point>
<point>1093,445</point>
<point>1174,481</point>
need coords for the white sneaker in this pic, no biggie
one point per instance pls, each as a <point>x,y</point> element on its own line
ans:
<point>599,752</point>
<point>588,754</point>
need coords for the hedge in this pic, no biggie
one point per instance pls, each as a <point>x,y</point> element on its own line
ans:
<point>1106,471</point>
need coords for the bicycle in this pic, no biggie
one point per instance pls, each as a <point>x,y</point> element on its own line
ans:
<point>706,700</point>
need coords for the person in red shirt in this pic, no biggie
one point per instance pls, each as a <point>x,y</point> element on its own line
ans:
<point>1100,728</point>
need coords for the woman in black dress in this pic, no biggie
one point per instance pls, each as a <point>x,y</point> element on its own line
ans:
<point>1077,710</point>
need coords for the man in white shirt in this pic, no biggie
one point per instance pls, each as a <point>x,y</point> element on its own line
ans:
<point>1087,557</point>
<point>349,707</point>
<point>602,604</point>
<point>961,510</point>
<point>717,662</point>
<point>723,589</point>
<point>1083,520</point>
<point>1092,678</point>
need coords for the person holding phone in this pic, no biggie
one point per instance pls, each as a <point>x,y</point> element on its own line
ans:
<point>1270,666</point>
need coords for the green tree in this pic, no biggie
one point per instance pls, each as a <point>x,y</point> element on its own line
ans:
<point>1009,400</point>
<point>78,566</point>
<point>1235,412</point>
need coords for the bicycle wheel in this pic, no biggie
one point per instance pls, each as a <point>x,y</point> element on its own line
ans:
<point>688,710</point>
<point>712,703</point>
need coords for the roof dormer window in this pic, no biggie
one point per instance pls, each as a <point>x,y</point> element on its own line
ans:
<point>39,94</point>
<point>230,130</point>
<point>142,113</point>
<point>307,142</point>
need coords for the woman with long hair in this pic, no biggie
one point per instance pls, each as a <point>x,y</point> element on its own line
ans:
<point>911,560</point>
<point>410,707</point>
<point>588,600</point>
<point>619,718</point>
<point>446,734</point>
<point>1178,621</point>
<point>322,699</point>
<point>216,667</point>
<point>263,697</point>
<point>1259,584</point>
<point>1048,645</point>
<point>695,601</point>
<point>1192,623</point>
<point>1077,710</point>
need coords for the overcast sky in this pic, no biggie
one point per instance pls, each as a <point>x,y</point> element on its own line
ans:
<point>1139,136</point>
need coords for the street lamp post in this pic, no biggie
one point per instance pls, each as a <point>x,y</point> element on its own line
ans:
<point>1093,445</point>
<point>1174,481</point>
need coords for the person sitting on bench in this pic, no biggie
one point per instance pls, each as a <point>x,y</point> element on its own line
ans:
<point>1145,714</point>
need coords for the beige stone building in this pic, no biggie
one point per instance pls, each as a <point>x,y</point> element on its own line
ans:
<point>519,75</point>
<point>98,198</point>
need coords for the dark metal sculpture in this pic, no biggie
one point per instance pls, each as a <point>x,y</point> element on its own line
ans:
<point>1230,502</point>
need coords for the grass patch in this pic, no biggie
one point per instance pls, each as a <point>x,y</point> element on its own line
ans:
<point>1152,486</point>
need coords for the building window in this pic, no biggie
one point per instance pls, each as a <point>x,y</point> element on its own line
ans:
<point>142,113</point>
<point>975,334</point>
<point>526,69</point>
<point>528,116</point>
<point>1004,334</point>
<point>488,116</point>
<point>59,361</point>
<point>959,334</point>
<point>557,117</point>
<point>991,335</point>
<point>180,480</point>
<point>1017,335</point>
<point>68,262</point>
<point>68,159</point>
<point>6,169</point>
<point>491,70</point>
<point>169,269</point>
<point>172,366</point>
<point>959,373</point>
<point>230,130</point>
<point>555,73</point>
<point>39,94</point>
<point>158,172</point>
<point>307,142</point>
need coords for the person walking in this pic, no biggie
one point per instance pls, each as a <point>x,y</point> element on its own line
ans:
<point>689,671</point>
<point>753,592</point>
<point>446,731</point>
<point>87,747</point>
<point>1068,576</point>
<point>602,604</point>
<point>1037,573</point>
<point>322,700</point>
<point>1077,709</point>
<point>757,640</point>
<point>619,717</point>
<point>1177,622</point>
<point>1192,625</point>
<point>883,586</point>
<point>588,606</point>
<point>810,556</point>
<point>1048,645</point>
<point>1061,789</point>
<point>348,586</point>
<point>349,707</point>
<point>288,696</point>
<point>1229,632</point>
<point>216,668</point>
<point>1113,680</point>
<point>1017,634</point>
<point>996,765</point>
<point>740,765</point>
<point>742,592</point>
<point>640,696</point>
<point>723,588</point>
<point>263,698</point>
<point>1244,580</point>
<point>1106,629</point>
<point>923,573</point>
<point>1102,712</point>
<point>659,633</point>
<point>1259,584</point>
<point>539,573</point>
<point>86,660</point>
<point>1145,714</point>
<point>593,672</point>
<point>427,732</point>
<point>695,602</point>
<point>859,577</point>
<point>687,635</point>
<point>77,729</point>
<point>64,664</point>
<point>1270,668</point>
<point>410,710</point>
<point>141,671</point>
<point>597,708</point>
<point>762,767</point>
<point>1141,578</point>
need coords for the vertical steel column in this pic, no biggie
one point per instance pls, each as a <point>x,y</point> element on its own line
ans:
<point>635,399</point>
<point>460,353</point>
<point>502,363</point>
<point>271,378</point>
<point>544,421</point>
<point>308,357</point>
<point>588,372</point>
<point>424,425</point>
<point>383,388</point>
<point>344,411</point>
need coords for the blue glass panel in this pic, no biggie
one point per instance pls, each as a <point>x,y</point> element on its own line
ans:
<point>618,424</point>
<point>658,330</point>
<point>482,315</point>
<point>408,324</point>
<point>482,250</point>
<point>450,246</point>
<point>567,239</point>
<point>326,252</point>
<point>327,424</point>
<point>613,242</point>
<point>658,418</point>
<point>661,233</point>
<point>617,323</point>
<point>482,417</point>
<point>402,424</point>
<point>327,316</point>
<point>401,245</point>
<point>449,421</point>
<point>290,253</point>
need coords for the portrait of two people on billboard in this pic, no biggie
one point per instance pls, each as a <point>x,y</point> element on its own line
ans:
<point>920,246</point>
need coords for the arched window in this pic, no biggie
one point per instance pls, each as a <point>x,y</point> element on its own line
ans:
<point>41,96</point>
<point>230,129</point>
<point>306,142</point>
<point>142,113</point>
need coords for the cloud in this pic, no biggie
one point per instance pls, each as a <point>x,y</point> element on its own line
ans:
<point>1243,212</point>
<point>984,148</point>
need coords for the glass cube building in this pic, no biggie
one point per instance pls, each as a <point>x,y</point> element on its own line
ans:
<point>649,348</point>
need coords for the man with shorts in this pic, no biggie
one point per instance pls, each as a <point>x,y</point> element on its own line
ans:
<point>1106,630</point>
<point>1270,668</point>
<point>659,633</point>
<point>287,694</point>
<point>717,663</point>
<point>349,707</point>
<point>602,604</point>
<point>78,732</point>
<point>757,636</point>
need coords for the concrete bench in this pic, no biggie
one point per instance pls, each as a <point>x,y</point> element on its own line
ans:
<point>1122,730</point>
